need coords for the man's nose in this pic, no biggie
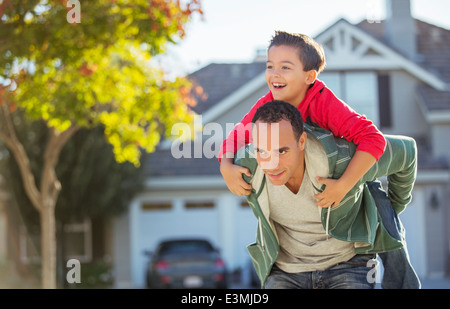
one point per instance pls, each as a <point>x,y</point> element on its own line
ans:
<point>269,161</point>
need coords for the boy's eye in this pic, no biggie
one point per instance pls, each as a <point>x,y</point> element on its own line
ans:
<point>282,151</point>
<point>285,68</point>
<point>269,67</point>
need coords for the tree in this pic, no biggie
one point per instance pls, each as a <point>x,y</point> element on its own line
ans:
<point>93,184</point>
<point>76,66</point>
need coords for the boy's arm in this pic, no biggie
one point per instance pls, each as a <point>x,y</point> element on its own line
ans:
<point>336,189</point>
<point>333,114</point>
<point>240,135</point>
<point>343,121</point>
<point>232,174</point>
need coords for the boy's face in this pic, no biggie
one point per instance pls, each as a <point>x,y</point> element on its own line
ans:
<point>285,75</point>
<point>278,152</point>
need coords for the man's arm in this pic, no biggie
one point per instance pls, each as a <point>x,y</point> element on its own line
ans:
<point>399,164</point>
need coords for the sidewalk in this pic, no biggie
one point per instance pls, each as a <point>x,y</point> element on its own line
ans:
<point>438,283</point>
<point>435,283</point>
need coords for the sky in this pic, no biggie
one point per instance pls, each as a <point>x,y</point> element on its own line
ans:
<point>233,30</point>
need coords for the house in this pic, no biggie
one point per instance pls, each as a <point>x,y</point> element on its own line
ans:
<point>394,71</point>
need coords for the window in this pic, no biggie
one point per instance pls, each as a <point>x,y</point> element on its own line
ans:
<point>358,89</point>
<point>156,206</point>
<point>77,240</point>
<point>198,205</point>
<point>384,95</point>
<point>78,237</point>
<point>244,204</point>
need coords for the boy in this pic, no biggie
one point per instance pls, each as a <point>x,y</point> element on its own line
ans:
<point>294,61</point>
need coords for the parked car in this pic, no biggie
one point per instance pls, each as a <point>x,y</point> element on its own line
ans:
<point>186,263</point>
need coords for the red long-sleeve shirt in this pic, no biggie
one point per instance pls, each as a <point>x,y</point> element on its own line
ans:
<point>326,110</point>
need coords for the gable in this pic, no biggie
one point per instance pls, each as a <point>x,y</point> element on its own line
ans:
<point>349,48</point>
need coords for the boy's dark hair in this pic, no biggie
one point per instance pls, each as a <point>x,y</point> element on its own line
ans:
<point>311,53</point>
<point>275,111</point>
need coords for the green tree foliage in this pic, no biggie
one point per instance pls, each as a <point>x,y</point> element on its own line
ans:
<point>86,70</point>
<point>98,71</point>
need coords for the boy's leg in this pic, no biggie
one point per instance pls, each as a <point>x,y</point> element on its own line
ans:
<point>398,275</point>
<point>398,271</point>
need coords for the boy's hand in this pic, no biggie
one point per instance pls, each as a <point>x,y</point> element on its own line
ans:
<point>333,194</point>
<point>232,174</point>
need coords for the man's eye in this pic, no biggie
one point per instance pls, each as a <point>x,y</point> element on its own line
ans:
<point>269,67</point>
<point>282,151</point>
<point>262,153</point>
<point>285,68</point>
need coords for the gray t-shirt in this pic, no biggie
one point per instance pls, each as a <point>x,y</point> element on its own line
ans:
<point>304,244</point>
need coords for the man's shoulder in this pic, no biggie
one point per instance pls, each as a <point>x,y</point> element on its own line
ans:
<point>400,143</point>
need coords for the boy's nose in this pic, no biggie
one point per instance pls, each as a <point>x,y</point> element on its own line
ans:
<point>275,73</point>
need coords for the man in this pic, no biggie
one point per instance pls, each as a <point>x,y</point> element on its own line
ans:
<point>302,245</point>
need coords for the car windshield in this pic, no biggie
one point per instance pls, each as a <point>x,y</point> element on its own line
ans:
<point>186,247</point>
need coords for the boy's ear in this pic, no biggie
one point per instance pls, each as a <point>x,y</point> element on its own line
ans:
<point>311,76</point>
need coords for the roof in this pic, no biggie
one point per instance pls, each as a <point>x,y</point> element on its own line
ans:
<point>434,100</point>
<point>163,164</point>
<point>433,42</point>
<point>219,80</point>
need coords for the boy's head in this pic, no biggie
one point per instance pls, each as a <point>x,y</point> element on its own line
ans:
<point>279,142</point>
<point>310,53</point>
<point>293,63</point>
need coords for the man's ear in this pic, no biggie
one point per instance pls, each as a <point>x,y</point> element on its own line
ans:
<point>311,76</point>
<point>302,141</point>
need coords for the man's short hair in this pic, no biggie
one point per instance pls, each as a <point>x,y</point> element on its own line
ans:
<point>275,111</point>
<point>311,53</point>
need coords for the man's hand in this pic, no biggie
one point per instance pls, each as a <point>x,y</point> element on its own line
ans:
<point>232,174</point>
<point>333,194</point>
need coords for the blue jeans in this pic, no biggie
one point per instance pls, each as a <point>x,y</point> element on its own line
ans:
<point>353,274</point>
<point>398,271</point>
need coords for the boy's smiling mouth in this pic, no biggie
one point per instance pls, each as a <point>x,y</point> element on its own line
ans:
<point>278,85</point>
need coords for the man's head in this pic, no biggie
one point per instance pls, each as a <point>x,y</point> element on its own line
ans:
<point>293,63</point>
<point>279,141</point>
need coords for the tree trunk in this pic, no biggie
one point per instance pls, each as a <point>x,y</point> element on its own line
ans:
<point>48,245</point>
<point>43,199</point>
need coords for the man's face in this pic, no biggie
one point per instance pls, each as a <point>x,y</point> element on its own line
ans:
<point>278,152</point>
<point>285,75</point>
